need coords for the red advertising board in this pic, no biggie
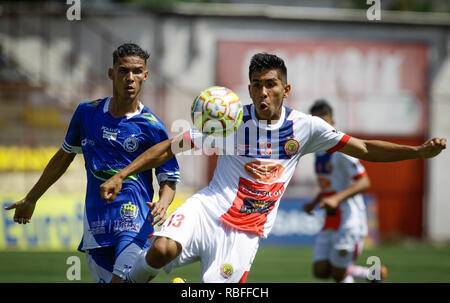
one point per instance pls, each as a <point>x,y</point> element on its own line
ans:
<point>377,87</point>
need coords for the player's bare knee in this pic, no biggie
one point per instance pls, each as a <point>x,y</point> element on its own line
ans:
<point>322,270</point>
<point>321,274</point>
<point>162,251</point>
<point>338,274</point>
<point>116,279</point>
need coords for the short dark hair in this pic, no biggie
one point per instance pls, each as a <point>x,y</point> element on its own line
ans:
<point>264,61</point>
<point>321,108</point>
<point>129,49</point>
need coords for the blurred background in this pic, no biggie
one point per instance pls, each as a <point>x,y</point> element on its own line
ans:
<point>386,72</point>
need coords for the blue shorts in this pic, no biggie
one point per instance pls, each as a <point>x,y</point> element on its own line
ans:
<point>103,262</point>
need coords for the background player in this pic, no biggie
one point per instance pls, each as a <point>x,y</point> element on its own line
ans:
<point>111,133</point>
<point>221,225</point>
<point>342,179</point>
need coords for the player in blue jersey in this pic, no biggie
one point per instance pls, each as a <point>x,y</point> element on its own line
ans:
<point>111,133</point>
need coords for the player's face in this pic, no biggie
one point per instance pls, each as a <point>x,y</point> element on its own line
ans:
<point>267,92</point>
<point>127,75</point>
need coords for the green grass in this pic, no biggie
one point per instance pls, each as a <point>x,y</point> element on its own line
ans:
<point>411,263</point>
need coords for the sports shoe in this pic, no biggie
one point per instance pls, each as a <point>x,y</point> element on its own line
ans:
<point>178,280</point>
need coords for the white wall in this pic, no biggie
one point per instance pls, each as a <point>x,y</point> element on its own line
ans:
<point>438,200</point>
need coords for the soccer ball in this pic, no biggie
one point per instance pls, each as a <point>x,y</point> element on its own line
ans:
<point>217,111</point>
<point>178,280</point>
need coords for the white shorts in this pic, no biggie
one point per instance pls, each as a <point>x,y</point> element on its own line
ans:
<point>225,254</point>
<point>340,248</point>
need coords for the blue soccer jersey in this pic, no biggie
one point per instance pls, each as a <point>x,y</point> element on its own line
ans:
<point>109,144</point>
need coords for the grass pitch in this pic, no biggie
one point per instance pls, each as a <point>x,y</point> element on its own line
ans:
<point>406,263</point>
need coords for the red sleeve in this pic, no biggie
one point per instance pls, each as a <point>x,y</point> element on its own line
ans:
<point>361,174</point>
<point>340,144</point>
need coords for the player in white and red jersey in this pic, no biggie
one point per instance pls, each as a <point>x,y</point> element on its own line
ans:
<point>221,225</point>
<point>342,179</point>
<point>252,174</point>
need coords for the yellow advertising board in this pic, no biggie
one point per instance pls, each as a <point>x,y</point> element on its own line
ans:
<point>57,223</point>
<point>23,158</point>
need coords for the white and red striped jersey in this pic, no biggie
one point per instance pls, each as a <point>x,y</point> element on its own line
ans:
<point>256,163</point>
<point>336,172</point>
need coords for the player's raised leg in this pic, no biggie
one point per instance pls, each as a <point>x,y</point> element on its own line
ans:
<point>175,235</point>
<point>340,275</point>
<point>322,269</point>
<point>149,264</point>
<point>229,254</point>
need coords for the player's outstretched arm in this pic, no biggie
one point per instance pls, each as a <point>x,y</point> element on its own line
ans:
<point>151,158</point>
<point>57,165</point>
<point>383,151</point>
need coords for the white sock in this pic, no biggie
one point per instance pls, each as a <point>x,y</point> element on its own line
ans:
<point>348,279</point>
<point>358,272</point>
<point>141,271</point>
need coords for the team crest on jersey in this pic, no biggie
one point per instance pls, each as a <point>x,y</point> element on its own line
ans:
<point>131,144</point>
<point>129,211</point>
<point>291,147</point>
<point>226,270</point>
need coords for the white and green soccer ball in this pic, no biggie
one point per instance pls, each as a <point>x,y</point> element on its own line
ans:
<point>217,111</point>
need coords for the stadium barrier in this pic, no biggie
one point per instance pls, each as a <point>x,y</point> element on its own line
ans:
<point>295,227</point>
<point>57,223</point>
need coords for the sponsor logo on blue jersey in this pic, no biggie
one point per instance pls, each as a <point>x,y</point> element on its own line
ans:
<point>120,225</point>
<point>97,227</point>
<point>110,133</point>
